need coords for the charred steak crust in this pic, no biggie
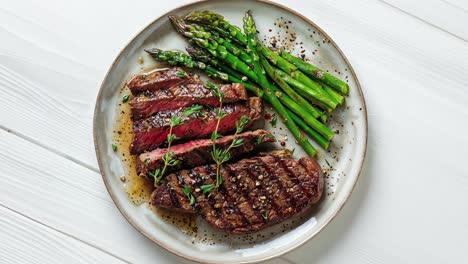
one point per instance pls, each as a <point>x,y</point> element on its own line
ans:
<point>159,79</point>
<point>197,152</point>
<point>149,133</point>
<point>255,193</point>
<point>183,95</point>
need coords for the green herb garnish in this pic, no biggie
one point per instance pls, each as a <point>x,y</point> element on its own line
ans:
<point>125,98</point>
<point>189,195</point>
<point>181,74</point>
<point>207,188</point>
<point>265,215</point>
<point>114,147</point>
<point>220,156</point>
<point>274,119</point>
<point>192,110</point>
<point>262,137</point>
<point>169,158</point>
<point>146,162</point>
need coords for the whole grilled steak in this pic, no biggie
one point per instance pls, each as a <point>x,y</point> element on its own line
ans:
<point>159,79</point>
<point>149,133</point>
<point>183,95</point>
<point>255,192</point>
<point>198,152</point>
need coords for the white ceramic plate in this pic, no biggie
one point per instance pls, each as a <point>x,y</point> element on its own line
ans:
<point>343,162</point>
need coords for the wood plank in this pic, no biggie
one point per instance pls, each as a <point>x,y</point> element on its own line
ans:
<point>443,14</point>
<point>26,241</point>
<point>69,198</point>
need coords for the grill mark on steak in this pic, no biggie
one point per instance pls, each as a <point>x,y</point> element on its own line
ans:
<point>290,187</point>
<point>268,212</point>
<point>295,192</point>
<point>209,210</point>
<point>183,95</point>
<point>219,199</point>
<point>244,204</point>
<point>234,216</point>
<point>249,189</point>
<point>296,176</point>
<point>201,200</point>
<point>174,198</point>
<point>198,152</point>
<point>233,195</point>
<point>159,79</point>
<point>281,188</point>
<point>299,196</point>
<point>149,133</point>
<point>179,197</point>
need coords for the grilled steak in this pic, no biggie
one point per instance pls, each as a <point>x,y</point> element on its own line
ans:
<point>159,79</point>
<point>183,95</point>
<point>255,192</point>
<point>149,133</point>
<point>197,152</point>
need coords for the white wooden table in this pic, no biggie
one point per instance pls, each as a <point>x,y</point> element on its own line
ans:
<point>410,204</point>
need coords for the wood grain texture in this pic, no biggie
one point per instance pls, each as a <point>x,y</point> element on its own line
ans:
<point>409,205</point>
<point>25,241</point>
<point>447,15</point>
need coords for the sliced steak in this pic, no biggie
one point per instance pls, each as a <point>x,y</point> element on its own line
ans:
<point>149,133</point>
<point>255,192</point>
<point>159,79</point>
<point>183,95</point>
<point>198,152</point>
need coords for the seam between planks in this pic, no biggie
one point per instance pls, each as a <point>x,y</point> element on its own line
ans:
<point>454,6</point>
<point>59,153</point>
<point>423,20</point>
<point>65,234</point>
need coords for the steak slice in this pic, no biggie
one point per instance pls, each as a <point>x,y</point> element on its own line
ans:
<point>183,95</point>
<point>198,152</point>
<point>159,79</point>
<point>149,133</point>
<point>255,192</point>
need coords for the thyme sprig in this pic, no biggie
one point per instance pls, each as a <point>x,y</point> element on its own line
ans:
<point>169,157</point>
<point>189,195</point>
<point>218,155</point>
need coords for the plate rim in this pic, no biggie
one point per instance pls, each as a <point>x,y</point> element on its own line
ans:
<point>275,255</point>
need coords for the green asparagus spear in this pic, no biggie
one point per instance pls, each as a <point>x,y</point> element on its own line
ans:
<point>200,55</point>
<point>278,61</point>
<point>217,21</point>
<point>220,52</point>
<point>324,143</point>
<point>322,101</point>
<point>299,110</point>
<point>293,71</point>
<point>252,42</point>
<point>216,50</point>
<point>288,90</point>
<point>334,95</point>
<point>201,32</point>
<point>317,73</point>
